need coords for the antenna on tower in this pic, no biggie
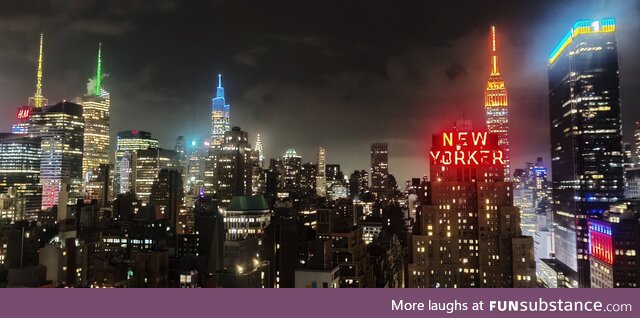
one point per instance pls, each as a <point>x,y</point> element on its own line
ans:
<point>38,100</point>
<point>98,86</point>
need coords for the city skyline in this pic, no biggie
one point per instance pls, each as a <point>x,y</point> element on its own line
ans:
<point>495,160</point>
<point>264,98</point>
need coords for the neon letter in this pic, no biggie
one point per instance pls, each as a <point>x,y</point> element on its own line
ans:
<point>449,139</point>
<point>459,156</point>
<point>446,158</point>
<point>434,157</point>
<point>479,136</point>
<point>472,157</point>
<point>497,156</point>
<point>462,137</point>
<point>484,155</point>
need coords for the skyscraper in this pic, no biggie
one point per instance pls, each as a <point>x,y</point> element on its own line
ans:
<point>321,179</point>
<point>128,142</point>
<point>147,164</point>
<point>95,106</point>
<point>636,137</point>
<point>61,129</point>
<point>379,169</point>
<point>38,100</point>
<point>496,104</point>
<point>308,175</point>
<point>292,166</point>
<point>234,166</point>
<point>586,137</point>
<point>467,232</point>
<point>260,151</point>
<point>219,116</point>
<point>20,170</point>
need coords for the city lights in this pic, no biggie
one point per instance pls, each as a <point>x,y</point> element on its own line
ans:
<point>440,159</point>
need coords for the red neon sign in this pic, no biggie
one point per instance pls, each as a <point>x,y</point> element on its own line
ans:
<point>466,148</point>
<point>24,113</point>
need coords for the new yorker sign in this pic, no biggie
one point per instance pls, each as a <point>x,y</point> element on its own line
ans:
<point>466,148</point>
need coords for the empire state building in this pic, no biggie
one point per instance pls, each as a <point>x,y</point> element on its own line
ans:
<point>496,105</point>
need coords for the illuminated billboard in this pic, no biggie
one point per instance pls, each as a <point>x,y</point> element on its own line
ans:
<point>24,113</point>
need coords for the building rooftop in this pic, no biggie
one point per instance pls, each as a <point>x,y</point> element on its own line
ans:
<point>248,203</point>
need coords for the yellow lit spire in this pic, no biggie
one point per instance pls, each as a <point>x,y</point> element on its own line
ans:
<point>496,104</point>
<point>38,100</point>
<point>494,53</point>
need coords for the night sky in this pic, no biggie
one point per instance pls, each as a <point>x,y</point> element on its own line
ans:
<point>303,74</point>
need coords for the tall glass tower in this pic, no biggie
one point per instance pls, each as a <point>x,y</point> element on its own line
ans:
<point>496,105</point>
<point>586,138</point>
<point>219,116</point>
<point>95,105</point>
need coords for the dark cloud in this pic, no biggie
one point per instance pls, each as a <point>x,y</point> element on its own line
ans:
<point>337,74</point>
<point>455,71</point>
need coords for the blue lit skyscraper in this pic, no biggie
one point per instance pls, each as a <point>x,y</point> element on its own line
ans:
<point>586,139</point>
<point>219,116</point>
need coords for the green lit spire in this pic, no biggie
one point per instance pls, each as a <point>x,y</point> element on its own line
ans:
<point>98,86</point>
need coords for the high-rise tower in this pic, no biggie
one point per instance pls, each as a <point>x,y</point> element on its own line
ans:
<point>380,169</point>
<point>260,151</point>
<point>127,143</point>
<point>95,111</point>
<point>496,104</point>
<point>321,178</point>
<point>219,116</point>
<point>586,139</point>
<point>38,100</point>
<point>61,130</point>
<point>467,231</point>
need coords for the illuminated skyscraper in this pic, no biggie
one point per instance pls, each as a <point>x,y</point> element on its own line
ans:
<point>234,166</point>
<point>95,106</point>
<point>127,143</point>
<point>321,179</point>
<point>496,104</point>
<point>61,129</point>
<point>636,137</point>
<point>308,175</point>
<point>292,167</point>
<point>467,232</point>
<point>38,100</point>
<point>380,169</point>
<point>219,116</point>
<point>260,151</point>
<point>20,170</point>
<point>586,138</point>
<point>147,164</point>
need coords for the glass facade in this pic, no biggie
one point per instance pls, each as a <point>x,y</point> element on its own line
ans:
<point>20,170</point>
<point>586,137</point>
<point>129,141</point>
<point>61,129</point>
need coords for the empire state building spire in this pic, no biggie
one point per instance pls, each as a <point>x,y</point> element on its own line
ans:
<point>496,103</point>
<point>38,100</point>
<point>219,116</point>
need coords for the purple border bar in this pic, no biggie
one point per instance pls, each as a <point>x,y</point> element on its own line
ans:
<point>303,303</point>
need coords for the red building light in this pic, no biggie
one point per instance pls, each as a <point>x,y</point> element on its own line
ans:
<point>24,113</point>
<point>600,241</point>
<point>466,148</point>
